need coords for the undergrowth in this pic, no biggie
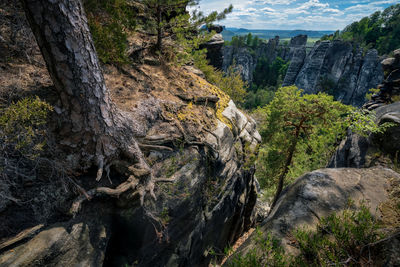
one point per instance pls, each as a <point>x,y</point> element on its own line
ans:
<point>109,22</point>
<point>341,239</point>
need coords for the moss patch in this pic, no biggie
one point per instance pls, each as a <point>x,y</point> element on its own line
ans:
<point>224,99</point>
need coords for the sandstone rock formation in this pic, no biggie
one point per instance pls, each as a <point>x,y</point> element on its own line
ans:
<point>242,59</point>
<point>197,143</point>
<point>340,69</point>
<point>357,151</point>
<point>245,60</point>
<point>207,204</point>
<point>324,191</point>
<point>390,88</point>
<point>296,54</point>
<point>214,50</point>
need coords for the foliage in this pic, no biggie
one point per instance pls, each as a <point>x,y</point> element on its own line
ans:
<point>301,131</point>
<point>109,22</point>
<point>169,18</point>
<point>363,122</point>
<point>339,240</point>
<point>245,41</point>
<point>22,127</point>
<point>230,82</point>
<point>306,126</point>
<point>381,30</point>
<point>267,251</point>
<point>371,92</point>
<point>259,97</point>
<point>269,73</point>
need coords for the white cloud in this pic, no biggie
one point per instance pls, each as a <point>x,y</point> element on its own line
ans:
<point>273,2</point>
<point>268,9</point>
<point>295,14</point>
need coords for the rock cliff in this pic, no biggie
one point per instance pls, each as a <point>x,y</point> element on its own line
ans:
<point>338,68</point>
<point>199,147</point>
<point>245,58</point>
<point>358,151</point>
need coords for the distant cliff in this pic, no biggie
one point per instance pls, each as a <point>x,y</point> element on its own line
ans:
<point>246,58</point>
<point>338,68</point>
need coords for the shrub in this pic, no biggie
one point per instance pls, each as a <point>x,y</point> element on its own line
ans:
<point>109,22</point>
<point>231,82</point>
<point>267,251</point>
<point>340,239</point>
<point>22,127</point>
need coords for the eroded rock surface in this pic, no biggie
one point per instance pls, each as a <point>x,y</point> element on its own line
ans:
<point>357,151</point>
<point>245,61</point>
<point>322,192</point>
<point>206,202</point>
<point>339,68</point>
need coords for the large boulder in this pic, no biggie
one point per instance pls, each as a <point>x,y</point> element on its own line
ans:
<point>321,192</point>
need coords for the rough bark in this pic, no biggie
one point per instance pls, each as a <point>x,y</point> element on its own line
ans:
<point>93,130</point>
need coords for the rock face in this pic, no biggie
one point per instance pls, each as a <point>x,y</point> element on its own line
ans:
<point>322,192</point>
<point>390,88</point>
<point>206,202</point>
<point>242,59</point>
<point>246,61</point>
<point>214,50</point>
<point>357,151</point>
<point>338,68</point>
<point>76,243</point>
<point>296,43</point>
<point>296,55</point>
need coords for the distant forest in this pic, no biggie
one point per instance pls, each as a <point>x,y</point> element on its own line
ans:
<point>381,31</point>
<point>228,33</point>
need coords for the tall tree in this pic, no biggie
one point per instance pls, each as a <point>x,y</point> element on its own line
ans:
<point>170,16</point>
<point>300,129</point>
<point>93,131</point>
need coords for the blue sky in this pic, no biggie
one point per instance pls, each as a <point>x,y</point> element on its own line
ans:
<point>295,14</point>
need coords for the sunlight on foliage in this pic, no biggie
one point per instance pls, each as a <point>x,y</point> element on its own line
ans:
<point>22,127</point>
<point>341,239</point>
<point>231,82</point>
<point>307,126</point>
<point>109,22</point>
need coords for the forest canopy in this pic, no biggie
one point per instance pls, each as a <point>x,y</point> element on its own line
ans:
<point>381,31</point>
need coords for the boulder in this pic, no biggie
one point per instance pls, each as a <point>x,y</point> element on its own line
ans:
<point>75,243</point>
<point>321,192</point>
<point>358,152</point>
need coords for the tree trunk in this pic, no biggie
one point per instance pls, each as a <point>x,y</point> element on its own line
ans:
<point>93,130</point>
<point>289,159</point>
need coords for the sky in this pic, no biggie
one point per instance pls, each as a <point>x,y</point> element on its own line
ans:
<point>294,14</point>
